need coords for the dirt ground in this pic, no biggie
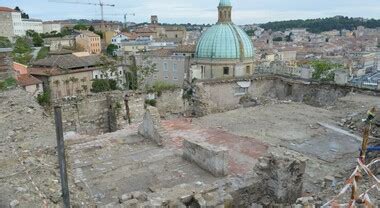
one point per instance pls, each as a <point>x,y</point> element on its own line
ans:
<point>315,134</point>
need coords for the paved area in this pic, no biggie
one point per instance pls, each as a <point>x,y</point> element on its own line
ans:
<point>113,164</point>
<point>243,151</point>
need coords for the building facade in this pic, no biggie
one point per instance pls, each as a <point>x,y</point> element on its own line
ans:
<point>224,50</point>
<point>89,42</point>
<point>49,27</point>
<point>32,24</point>
<point>11,24</point>
<point>169,67</point>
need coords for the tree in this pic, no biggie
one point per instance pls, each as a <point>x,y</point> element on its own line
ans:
<point>91,28</point>
<point>111,48</point>
<point>37,41</point>
<point>23,14</point>
<point>139,73</point>
<point>80,26</point>
<point>5,43</point>
<point>22,51</point>
<point>324,70</point>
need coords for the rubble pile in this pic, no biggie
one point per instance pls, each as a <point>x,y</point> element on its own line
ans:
<point>29,174</point>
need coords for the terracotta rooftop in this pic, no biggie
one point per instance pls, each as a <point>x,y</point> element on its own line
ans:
<point>68,61</point>
<point>27,80</point>
<point>6,9</point>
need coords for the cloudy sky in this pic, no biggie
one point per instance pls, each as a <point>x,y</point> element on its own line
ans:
<point>199,11</point>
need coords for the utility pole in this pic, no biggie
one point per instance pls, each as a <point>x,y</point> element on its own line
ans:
<point>61,156</point>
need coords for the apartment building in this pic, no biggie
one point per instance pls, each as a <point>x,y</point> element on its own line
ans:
<point>10,23</point>
<point>89,42</point>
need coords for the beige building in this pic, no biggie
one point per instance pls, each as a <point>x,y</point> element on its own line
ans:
<point>11,24</point>
<point>89,42</point>
<point>49,27</point>
<point>32,24</point>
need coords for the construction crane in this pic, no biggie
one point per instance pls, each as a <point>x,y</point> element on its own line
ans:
<point>101,4</point>
<point>125,18</point>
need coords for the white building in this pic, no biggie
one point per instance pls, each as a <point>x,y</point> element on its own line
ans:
<point>49,27</point>
<point>118,75</point>
<point>117,39</point>
<point>32,24</point>
<point>10,23</point>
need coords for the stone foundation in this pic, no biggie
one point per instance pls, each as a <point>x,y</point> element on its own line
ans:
<point>212,159</point>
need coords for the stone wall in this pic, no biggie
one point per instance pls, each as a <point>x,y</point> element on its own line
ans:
<point>151,127</point>
<point>210,158</point>
<point>94,114</point>
<point>6,68</point>
<point>221,95</point>
<point>170,102</point>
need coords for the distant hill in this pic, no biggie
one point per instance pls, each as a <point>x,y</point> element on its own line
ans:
<point>322,25</point>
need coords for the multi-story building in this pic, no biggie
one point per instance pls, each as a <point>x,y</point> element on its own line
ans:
<point>11,24</point>
<point>49,27</point>
<point>32,24</point>
<point>169,67</point>
<point>72,74</point>
<point>56,44</point>
<point>89,42</point>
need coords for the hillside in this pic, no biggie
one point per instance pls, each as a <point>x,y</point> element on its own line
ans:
<point>322,25</point>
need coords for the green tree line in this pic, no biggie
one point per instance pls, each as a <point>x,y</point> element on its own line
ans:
<point>323,24</point>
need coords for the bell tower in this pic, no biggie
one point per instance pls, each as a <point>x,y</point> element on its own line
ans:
<point>224,9</point>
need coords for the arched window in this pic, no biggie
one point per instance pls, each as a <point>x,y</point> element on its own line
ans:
<point>225,14</point>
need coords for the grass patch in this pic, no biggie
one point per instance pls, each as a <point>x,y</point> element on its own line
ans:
<point>43,53</point>
<point>7,84</point>
<point>159,87</point>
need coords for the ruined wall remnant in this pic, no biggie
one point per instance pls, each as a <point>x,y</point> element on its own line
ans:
<point>151,127</point>
<point>95,113</point>
<point>213,96</point>
<point>282,176</point>
<point>210,158</point>
<point>170,102</point>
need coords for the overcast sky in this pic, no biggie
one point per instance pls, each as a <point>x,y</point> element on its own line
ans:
<point>199,11</point>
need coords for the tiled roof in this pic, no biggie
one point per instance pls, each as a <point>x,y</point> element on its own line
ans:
<point>161,52</point>
<point>27,80</point>
<point>6,9</point>
<point>185,48</point>
<point>68,61</point>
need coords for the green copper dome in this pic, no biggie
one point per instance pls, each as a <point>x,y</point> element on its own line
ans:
<point>224,41</point>
<point>225,3</point>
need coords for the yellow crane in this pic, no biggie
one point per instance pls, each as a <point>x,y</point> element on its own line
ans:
<point>101,4</point>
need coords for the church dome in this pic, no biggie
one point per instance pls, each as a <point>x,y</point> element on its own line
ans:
<point>224,40</point>
<point>225,3</point>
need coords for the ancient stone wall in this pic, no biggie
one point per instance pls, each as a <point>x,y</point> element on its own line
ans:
<point>99,113</point>
<point>210,158</point>
<point>170,102</point>
<point>219,96</point>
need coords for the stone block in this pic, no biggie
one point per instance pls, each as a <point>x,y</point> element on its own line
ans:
<point>210,158</point>
<point>151,128</point>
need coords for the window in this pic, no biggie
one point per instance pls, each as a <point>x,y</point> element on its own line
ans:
<point>166,71</point>
<point>226,70</point>
<point>175,75</point>
<point>241,90</point>
<point>165,66</point>
<point>203,71</point>
<point>96,76</point>
<point>248,70</point>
